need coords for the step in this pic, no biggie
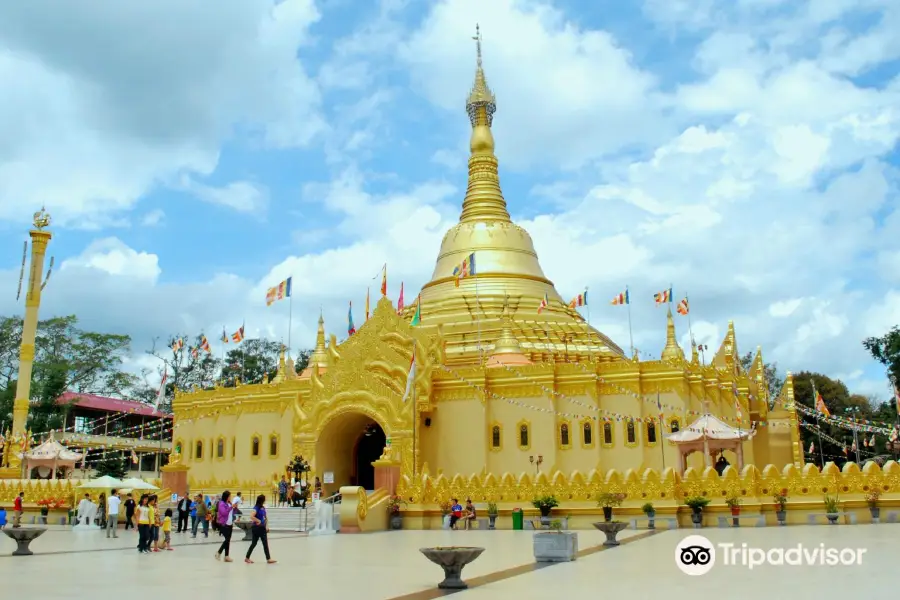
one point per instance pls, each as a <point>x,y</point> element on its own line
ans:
<point>291,519</point>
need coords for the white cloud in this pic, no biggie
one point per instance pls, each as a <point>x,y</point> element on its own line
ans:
<point>153,218</point>
<point>242,196</point>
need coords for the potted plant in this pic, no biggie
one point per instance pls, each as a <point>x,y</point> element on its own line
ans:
<point>651,514</point>
<point>872,500</point>
<point>697,504</point>
<point>393,507</point>
<point>445,514</point>
<point>555,545</point>
<point>608,501</point>
<point>492,515</point>
<point>780,499</point>
<point>831,509</point>
<point>734,503</point>
<point>545,504</point>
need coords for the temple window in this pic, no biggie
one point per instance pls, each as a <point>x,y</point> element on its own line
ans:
<point>607,434</point>
<point>630,437</point>
<point>587,434</point>
<point>254,446</point>
<point>178,447</point>
<point>496,439</point>
<point>198,453</point>
<point>220,448</point>
<point>651,433</point>
<point>273,445</point>
<point>674,426</point>
<point>524,430</point>
<point>564,435</point>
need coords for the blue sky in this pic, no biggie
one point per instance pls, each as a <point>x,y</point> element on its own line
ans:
<point>745,151</point>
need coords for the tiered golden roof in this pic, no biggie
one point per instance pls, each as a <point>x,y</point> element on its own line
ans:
<point>506,266</point>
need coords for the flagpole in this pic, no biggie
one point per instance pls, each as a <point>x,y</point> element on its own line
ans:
<point>415,409</point>
<point>290,315</point>
<point>690,327</point>
<point>818,427</point>
<point>587,306</point>
<point>243,354</point>
<point>630,333</point>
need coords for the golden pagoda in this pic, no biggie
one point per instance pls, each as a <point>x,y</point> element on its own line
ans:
<point>503,387</point>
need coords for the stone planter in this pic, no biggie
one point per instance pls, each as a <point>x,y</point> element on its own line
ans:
<point>607,513</point>
<point>832,517</point>
<point>697,517</point>
<point>550,546</point>
<point>245,527</point>
<point>452,559</point>
<point>611,530</point>
<point>781,516</point>
<point>23,537</point>
<point>492,521</point>
<point>876,514</point>
<point>396,521</point>
<point>651,515</point>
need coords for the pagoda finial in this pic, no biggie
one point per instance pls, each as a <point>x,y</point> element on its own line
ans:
<point>319,357</point>
<point>695,356</point>
<point>507,342</point>
<point>484,199</point>
<point>672,351</point>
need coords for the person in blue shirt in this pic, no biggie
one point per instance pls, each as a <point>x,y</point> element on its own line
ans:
<point>193,509</point>
<point>2,517</point>
<point>455,513</point>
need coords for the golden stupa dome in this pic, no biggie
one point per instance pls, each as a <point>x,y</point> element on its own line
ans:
<point>502,265</point>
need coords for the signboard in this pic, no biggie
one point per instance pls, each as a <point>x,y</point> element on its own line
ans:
<point>175,498</point>
<point>328,477</point>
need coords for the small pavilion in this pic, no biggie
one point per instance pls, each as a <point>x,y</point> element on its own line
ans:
<point>710,435</point>
<point>50,458</point>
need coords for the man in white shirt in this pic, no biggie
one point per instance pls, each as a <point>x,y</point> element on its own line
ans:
<point>112,517</point>
<point>84,510</point>
<point>237,506</point>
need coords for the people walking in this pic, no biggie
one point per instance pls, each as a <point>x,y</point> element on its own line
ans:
<point>167,531</point>
<point>199,516</point>
<point>18,510</point>
<point>143,524</point>
<point>129,512</point>
<point>225,521</point>
<point>112,516</point>
<point>184,510</point>
<point>259,530</point>
<point>101,511</point>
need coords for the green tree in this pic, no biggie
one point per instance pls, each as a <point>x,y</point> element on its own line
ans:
<point>886,350</point>
<point>252,361</point>
<point>112,464</point>
<point>774,380</point>
<point>302,360</point>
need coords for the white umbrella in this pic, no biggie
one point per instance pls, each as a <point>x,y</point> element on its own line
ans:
<point>134,483</point>
<point>102,483</point>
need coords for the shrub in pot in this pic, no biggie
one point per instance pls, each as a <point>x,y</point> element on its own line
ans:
<point>734,503</point>
<point>608,501</point>
<point>393,507</point>
<point>697,504</point>
<point>872,500</point>
<point>545,504</point>
<point>492,514</point>
<point>831,509</point>
<point>651,514</point>
<point>780,499</point>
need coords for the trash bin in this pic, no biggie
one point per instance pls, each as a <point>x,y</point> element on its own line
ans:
<point>518,519</point>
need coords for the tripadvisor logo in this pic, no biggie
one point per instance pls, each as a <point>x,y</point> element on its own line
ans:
<point>696,555</point>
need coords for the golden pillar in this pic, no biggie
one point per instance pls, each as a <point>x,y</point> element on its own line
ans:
<point>39,240</point>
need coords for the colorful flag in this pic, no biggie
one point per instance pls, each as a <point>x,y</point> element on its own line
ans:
<point>865,442</point>
<point>545,302</point>
<point>195,351</point>
<point>238,336</point>
<point>820,405</point>
<point>411,377</point>
<point>204,343</point>
<point>177,345</point>
<point>872,441</point>
<point>894,434</point>
<point>663,297</point>
<point>162,389</point>
<point>465,269</point>
<point>279,292</point>
<point>683,308</point>
<point>579,300</point>
<point>134,458</point>
<point>417,318</point>
<point>812,447</point>
<point>367,304</point>
<point>350,328</point>
<point>853,447</point>
<point>620,299</point>
<point>400,300</point>
<point>224,338</point>
<point>384,280</point>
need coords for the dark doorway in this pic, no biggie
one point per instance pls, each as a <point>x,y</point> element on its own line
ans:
<point>368,450</point>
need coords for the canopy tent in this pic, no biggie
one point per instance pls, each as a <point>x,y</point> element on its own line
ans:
<point>710,435</point>
<point>49,457</point>
<point>134,483</point>
<point>102,483</point>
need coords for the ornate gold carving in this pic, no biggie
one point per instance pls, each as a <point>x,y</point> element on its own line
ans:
<point>41,220</point>
<point>362,506</point>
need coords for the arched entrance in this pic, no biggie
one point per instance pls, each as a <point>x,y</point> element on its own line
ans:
<point>346,447</point>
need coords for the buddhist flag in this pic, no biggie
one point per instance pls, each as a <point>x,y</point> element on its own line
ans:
<point>872,441</point>
<point>820,404</point>
<point>162,390</point>
<point>683,308</point>
<point>224,337</point>
<point>238,336</point>
<point>411,377</point>
<point>663,297</point>
<point>367,304</point>
<point>384,280</point>
<point>400,300</point>
<point>204,343</point>
<point>177,345</point>
<point>579,300</point>
<point>134,458</point>
<point>465,269</point>
<point>417,318</point>
<point>195,352</point>
<point>279,292</point>
<point>620,299</point>
<point>545,302</point>
<point>350,327</point>
<point>812,447</point>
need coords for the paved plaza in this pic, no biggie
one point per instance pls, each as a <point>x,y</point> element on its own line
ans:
<point>388,565</point>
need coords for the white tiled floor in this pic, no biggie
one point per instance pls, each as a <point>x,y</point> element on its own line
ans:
<point>385,565</point>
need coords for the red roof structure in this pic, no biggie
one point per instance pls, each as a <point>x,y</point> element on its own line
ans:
<point>105,404</point>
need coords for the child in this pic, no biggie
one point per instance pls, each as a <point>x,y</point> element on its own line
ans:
<point>2,517</point>
<point>167,531</point>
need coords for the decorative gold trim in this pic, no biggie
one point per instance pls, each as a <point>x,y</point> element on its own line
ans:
<point>258,438</point>
<point>220,455</point>
<point>277,438</point>
<point>656,433</point>
<point>564,444</point>
<point>633,442</point>
<point>587,425</point>
<point>607,427</point>
<point>527,425</point>
<point>198,451</point>
<point>499,427</point>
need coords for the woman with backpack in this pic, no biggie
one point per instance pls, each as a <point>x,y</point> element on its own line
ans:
<point>259,530</point>
<point>225,522</point>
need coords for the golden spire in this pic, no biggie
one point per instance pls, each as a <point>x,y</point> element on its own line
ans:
<point>695,356</point>
<point>727,355</point>
<point>507,342</point>
<point>280,373</point>
<point>672,351</point>
<point>484,200</point>
<point>319,358</point>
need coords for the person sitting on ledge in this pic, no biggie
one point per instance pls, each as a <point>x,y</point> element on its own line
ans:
<point>470,514</point>
<point>455,513</point>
